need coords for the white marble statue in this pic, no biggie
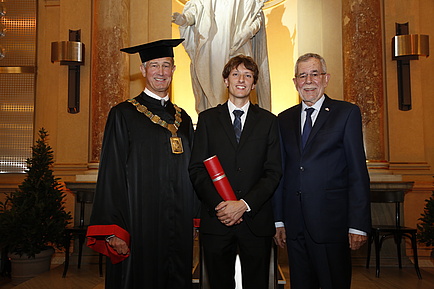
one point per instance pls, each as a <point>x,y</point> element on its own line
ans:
<point>214,32</point>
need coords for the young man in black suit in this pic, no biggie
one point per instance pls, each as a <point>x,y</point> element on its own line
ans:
<point>323,200</point>
<point>253,167</point>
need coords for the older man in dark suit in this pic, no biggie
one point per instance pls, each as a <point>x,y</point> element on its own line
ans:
<point>252,165</point>
<point>323,200</point>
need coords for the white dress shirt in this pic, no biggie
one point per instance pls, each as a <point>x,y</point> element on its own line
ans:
<point>153,95</point>
<point>244,108</point>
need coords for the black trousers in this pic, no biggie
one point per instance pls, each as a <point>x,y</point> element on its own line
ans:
<point>220,254</point>
<point>314,266</point>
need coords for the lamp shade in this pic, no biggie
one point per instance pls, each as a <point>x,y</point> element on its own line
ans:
<point>411,45</point>
<point>67,52</point>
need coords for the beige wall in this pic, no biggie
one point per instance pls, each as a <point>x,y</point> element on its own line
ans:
<point>409,131</point>
<point>69,133</point>
<point>410,137</point>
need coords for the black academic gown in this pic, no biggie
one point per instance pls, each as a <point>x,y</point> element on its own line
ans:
<point>144,188</point>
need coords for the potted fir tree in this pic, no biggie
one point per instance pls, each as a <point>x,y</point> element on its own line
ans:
<point>426,228</point>
<point>33,218</point>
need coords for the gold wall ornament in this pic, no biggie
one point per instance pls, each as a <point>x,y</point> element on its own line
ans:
<point>70,53</point>
<point>67,52</point>
<point>406,47</point>
<point>411,44</point>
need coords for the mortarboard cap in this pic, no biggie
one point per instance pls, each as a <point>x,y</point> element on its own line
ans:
<point>153,50</point>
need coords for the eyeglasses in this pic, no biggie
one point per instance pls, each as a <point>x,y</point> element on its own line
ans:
<point>313,76</point>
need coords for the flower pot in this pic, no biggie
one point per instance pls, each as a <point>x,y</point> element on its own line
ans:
<point>24,268</point>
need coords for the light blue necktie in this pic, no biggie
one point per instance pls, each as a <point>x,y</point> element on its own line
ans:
<point>307,126</point>
<point>237,123</point>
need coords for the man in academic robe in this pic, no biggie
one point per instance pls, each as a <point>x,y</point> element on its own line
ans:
<point>144,204</point>
<point>245,139</point>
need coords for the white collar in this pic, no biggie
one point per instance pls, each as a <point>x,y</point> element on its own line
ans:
<point>232,107</point>
<point>153,95</point>
<point>316,106</point>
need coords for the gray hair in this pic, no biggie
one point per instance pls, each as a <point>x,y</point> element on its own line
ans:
<point>307,56</point>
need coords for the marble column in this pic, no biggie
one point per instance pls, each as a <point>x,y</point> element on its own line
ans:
<point>363,70</point>
<point>110,67</point>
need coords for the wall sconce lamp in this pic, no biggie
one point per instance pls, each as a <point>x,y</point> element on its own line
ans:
<point>70,53</point>
<point>406,47</point>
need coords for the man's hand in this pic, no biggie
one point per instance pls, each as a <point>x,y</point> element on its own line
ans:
<point>119,245</point>
<point>230,212</point>
<point>280,237</point>
<point>356,241</point>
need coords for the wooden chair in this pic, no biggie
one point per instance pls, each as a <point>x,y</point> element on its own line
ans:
<point>83,197</point>
<point>380,233</point>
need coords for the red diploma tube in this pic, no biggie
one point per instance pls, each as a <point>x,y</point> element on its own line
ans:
<point>219,178</point>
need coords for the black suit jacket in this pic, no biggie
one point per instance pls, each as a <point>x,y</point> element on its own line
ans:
<point>326,184</point>
<point>253,167</point>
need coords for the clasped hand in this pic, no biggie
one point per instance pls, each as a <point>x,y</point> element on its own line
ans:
<point>230,212</point>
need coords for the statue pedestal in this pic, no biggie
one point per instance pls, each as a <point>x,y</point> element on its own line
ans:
<point>87,177</point>
<point>90,175</point>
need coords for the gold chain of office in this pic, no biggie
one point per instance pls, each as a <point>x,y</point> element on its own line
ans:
<point>175,141</point>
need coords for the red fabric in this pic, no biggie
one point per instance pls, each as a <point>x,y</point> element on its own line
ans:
<point>96,240</point>
<point>196,223</point>
<point>219,178</point>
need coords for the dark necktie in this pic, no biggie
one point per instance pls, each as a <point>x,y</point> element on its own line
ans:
<point>237,123</point>
<point>307,126</point>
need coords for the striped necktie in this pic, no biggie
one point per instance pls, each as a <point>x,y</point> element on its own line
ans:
<point>237,123</point>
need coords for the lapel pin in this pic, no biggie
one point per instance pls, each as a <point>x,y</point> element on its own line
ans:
<point>327,109</point>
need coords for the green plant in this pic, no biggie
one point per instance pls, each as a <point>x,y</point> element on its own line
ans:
<point>426,228</point>
<point>34,217</point>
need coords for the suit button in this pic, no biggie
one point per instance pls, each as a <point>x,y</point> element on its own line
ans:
<point>302,169</point>
<point>298,193</point>
<point>238,169</point>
